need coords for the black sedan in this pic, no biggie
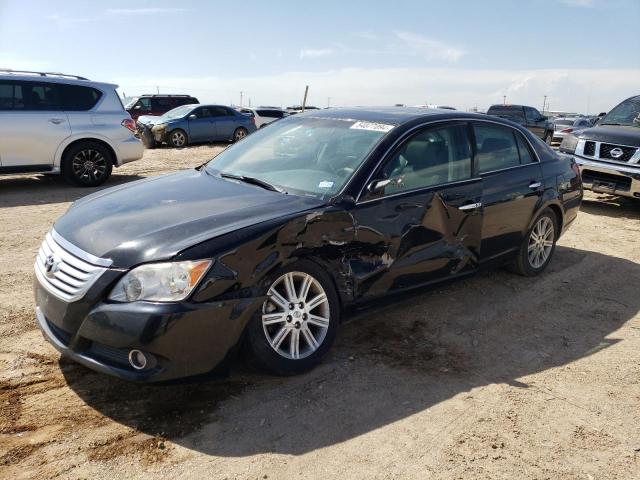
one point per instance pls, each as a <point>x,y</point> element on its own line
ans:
<point>266,245</point>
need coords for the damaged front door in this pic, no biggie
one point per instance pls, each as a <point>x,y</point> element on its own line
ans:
<point>419,218</point>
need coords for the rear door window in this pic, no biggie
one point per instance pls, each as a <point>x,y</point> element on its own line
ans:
<point>6,96</point>
<point>523,148</point>
<point>496,147</point>
<point>76,98</point>
<point>515,114</point>
<point>37,96</point>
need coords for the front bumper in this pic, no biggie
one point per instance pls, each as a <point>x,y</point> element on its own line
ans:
<point>602,177</point>
<point>180,339</point>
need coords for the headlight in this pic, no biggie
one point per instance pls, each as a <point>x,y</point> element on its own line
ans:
<point>160,282</point>
<point>159,126</point>
<point>569,143</point>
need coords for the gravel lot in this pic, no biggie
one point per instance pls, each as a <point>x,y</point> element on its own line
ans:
<point>497,376</point>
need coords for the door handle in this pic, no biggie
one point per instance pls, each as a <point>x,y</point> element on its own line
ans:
<point>56,121</point>
<point>470,206</point>
<point>406,206</point>
<point>535,185</point>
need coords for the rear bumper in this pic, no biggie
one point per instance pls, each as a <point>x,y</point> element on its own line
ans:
<point>603,177</point>
<point>129,150</point>
<point>179,339</point>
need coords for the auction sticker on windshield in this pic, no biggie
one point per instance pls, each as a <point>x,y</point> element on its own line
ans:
<point>374,126</point>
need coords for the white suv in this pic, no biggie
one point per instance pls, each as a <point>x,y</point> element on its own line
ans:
<point>264,115</point>
<point>63,124</point>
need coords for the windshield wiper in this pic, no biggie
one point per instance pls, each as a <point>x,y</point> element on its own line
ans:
<point>252,181</point>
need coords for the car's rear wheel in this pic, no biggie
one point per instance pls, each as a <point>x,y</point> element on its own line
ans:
<point>297,324</point>
<point>87,164</point>
<point>178,138</point>
<point>538,246</point>
<point>239,134</point>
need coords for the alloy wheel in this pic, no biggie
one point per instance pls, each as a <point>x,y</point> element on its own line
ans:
<point>541,242</point>
<point>296,315</point>
<point>178,139</point>
<point>89,165</point>
<point>240,134</point>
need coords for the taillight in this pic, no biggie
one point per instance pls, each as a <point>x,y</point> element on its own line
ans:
<point>566,130</point>
<point>129,124</point>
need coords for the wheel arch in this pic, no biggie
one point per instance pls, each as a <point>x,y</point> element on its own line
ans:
<point>109,147</point>
<point>72,141</point>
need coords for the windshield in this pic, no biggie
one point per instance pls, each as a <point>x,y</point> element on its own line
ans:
<point>563,122</point>
<point>627,113</point>
<point>178,112</point>
<point>131,103</point>
<point>305,156</point>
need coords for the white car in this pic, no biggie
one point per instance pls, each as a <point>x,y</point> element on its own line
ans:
<point>264,115</point>
<point>63,124</point>
<point>432,105</point>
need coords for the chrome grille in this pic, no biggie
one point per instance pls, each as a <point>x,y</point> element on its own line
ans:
<point>590,149</point>
<point>67,275</point>
<point>625,156</point>
<point>608,152</point>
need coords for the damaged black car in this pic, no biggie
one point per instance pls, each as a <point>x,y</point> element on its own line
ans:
<point>270,242</point>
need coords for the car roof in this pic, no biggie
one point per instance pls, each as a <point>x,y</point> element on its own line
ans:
<point>390,115</point>
<point>61,79</point>
<point>510,105</point>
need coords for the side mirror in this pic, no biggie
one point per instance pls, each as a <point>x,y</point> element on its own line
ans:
<point>543,118</point>
<point>137,107</point>
<point>378,185</point>
<point>193,116</point>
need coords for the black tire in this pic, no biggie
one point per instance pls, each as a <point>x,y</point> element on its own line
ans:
<point>548,138</point>
<point>239,134</point>
<point>177,138</point>
<point>264,356</point>
<point>87,164</point>
<point>523,264</point>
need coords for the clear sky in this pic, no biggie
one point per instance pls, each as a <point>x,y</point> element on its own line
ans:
<point>583,54</point>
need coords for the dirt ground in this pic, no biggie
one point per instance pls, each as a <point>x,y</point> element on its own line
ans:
<point>497,376</point>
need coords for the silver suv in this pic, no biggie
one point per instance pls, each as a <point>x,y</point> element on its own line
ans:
<point>63,124</point>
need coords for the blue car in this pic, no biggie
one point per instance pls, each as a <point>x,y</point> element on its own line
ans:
<point>199,123</point>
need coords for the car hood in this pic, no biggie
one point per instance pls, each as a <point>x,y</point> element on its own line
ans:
<point>620,134</point>
<point>155,219</point>
<point>149,119</point>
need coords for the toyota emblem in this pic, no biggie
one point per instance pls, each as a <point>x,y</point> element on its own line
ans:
<point>50,266</point>
<point>616,152</point>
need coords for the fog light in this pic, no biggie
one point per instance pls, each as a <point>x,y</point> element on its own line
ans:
<point>137,359</point>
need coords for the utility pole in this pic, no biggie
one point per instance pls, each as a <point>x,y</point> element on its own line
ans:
<point>158,89</point>
<point>504,99</point>
<point>241,93</point>
<point>328,102</point>
<point>304,100</point>
<point>544,102</point>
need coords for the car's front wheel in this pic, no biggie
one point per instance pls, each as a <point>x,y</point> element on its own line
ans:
<point>87,164</point>
<point>178,138</point>
<point>538,246</point>
<point>239,134</point>
<point>297,323</point>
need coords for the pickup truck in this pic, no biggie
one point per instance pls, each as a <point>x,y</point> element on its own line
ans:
<point>609,153</point>
<point>529,117</point>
